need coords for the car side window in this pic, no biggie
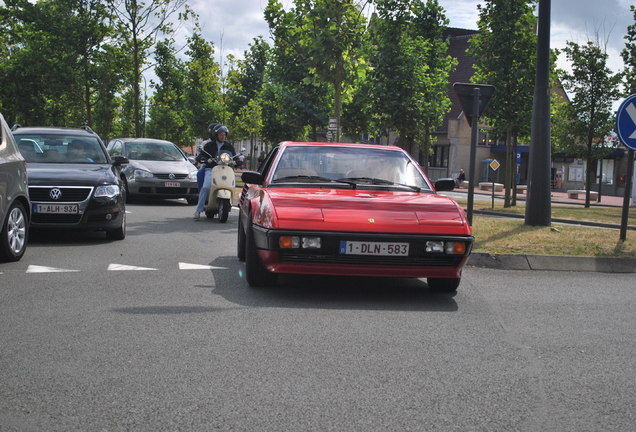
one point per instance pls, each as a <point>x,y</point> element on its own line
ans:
<point>267,164</point>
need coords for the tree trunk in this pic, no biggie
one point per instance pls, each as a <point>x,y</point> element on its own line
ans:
<point>514,170</point>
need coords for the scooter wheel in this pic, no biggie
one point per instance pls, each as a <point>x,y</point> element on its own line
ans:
<point>224,209</point>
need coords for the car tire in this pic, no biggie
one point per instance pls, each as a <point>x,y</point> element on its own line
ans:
<point>15,233</point>
<point>118,233</point>
<point>224,209</point>
<point>443,284</point>
<point>255,274</point>
<point>192,201</point>
<point>240,241</point>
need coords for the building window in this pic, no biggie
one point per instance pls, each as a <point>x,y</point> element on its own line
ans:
<point>439,158</point>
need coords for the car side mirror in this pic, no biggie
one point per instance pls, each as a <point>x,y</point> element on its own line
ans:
<point>252,177</point>
<point>444,184</point>
<point>120,160</point>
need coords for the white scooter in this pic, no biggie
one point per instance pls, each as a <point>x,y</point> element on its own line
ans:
<point>221,188</point>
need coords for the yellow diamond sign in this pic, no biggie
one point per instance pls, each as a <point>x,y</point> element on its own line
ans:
<point>495,164</point>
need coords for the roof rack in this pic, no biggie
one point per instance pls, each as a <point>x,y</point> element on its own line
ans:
<point>88,129</point>
<point>16,126</point>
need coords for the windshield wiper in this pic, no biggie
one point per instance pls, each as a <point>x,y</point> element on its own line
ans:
<point>313,178</point>
<point>377,181</point>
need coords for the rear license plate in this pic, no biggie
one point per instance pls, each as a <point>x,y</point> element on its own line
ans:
<point>373,248</point>
<point>173,184</point>
<point>56,208</point>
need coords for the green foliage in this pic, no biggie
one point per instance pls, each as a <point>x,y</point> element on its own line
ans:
<point>321,37</point>
<point>594,88</point>
<point>505,56</point>
<point>629,57</point>
<point>409,72</point>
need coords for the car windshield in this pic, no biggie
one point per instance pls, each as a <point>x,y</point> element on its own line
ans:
<point>43,148</point>
<point>152,151</point>
<point>357,166</point>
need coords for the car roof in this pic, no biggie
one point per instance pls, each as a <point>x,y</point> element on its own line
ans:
<point>53,131</point>
<point>337,144</point>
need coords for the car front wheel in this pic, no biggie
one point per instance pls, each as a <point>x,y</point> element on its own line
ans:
<point>240,241</point>
<point>15,233</point>
<point>118,233</point>
<point>255,274</point>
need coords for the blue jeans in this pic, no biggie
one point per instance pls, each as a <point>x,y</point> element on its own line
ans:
<point>204,190</point>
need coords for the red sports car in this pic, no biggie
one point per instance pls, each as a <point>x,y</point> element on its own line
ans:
<point>349,209</point>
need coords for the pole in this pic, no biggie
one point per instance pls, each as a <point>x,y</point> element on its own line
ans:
<point>473,151</point>
<point>538,205</point>
<point>628,194</point>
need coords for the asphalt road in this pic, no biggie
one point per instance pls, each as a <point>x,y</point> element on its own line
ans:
<point>160,332</point>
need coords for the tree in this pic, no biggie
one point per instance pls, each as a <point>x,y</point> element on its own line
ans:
<point>505,56</point>
<point>409,73</point>
<point>629,57</point>
<point>324,36</point>
<point>202,96</point>
<point>140,24</point>
<point>594,88</point>
<point>167,112</point>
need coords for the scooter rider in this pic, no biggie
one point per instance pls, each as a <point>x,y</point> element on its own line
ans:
<point>211,149</point>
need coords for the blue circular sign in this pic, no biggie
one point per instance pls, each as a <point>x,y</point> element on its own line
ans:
<point>626,122</point>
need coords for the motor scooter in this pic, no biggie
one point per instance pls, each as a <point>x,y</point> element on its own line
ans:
<point>222,188</point>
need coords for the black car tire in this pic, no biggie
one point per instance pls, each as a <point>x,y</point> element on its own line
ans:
<point>255,274</point>
<point>240,241</point>
<point>192,201</point>
<point>224,209</point>
<point>15,233</point>
<point>443,284</point>
<point>118,233</point>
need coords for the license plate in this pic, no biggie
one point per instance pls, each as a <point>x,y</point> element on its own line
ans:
<point>173,184</point>
<point>374,248</point>
<point>56,208</point>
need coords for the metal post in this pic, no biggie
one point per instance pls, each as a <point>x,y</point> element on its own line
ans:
<point>628,194</point>
<point>538,204</point>
<point>474,135</point>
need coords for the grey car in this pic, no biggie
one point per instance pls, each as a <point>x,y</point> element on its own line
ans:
<point>156,169</point>
<point>14,198</point>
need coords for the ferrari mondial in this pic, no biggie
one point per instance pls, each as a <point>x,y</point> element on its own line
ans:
<point>349,209</point>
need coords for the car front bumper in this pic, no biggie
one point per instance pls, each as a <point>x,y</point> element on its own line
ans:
<point>159,188</point>
<point>328,259</point>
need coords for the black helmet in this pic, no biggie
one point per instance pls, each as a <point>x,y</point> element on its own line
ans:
<point>211,130</point>
<point>221,128</point>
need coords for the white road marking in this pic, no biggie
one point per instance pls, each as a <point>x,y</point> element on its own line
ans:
<point>43,269</point>
<point>188,266</point>
<point>119,267</point>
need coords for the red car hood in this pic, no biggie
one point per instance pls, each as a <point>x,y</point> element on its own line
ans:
<point>366,211</point>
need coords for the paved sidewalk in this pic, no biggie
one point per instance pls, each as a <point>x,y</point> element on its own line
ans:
<point>557,197</point>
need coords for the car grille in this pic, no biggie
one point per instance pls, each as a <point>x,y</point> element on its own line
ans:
<point>167,176</point>
<point>68,194</point>
<point>437,260</point>
<point>56,218</point>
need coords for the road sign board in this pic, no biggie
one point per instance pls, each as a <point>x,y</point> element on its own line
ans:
<point>626,122</point>
<point>495,164</point>
<point>465,92</point>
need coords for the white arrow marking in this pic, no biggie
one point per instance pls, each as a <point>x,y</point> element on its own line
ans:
<point>118,267</point>
<point>188,266</point>
<point>631,110</point>
<point>43,269</point>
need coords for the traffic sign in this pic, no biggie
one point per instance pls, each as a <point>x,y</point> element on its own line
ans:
<point>465,93</point>
<point>626,122</point>
<point>494,164</point>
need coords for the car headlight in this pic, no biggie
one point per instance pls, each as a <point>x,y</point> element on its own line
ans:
<point>139,173</point>
<point>109,191</point>
<point>193,175</point>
